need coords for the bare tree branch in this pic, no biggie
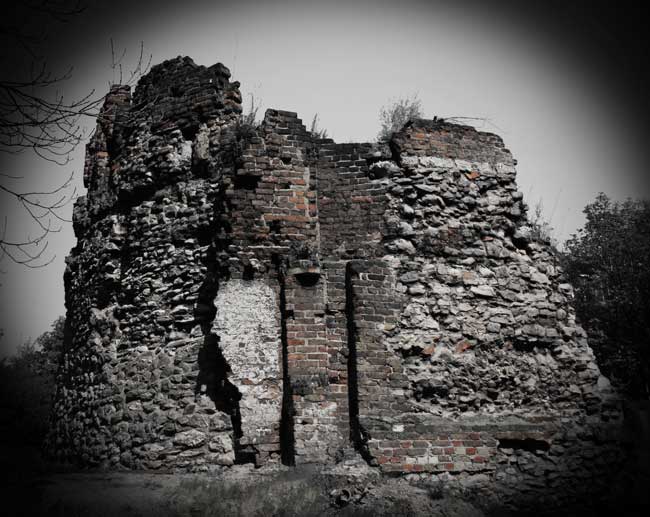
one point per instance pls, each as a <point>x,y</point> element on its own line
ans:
<point>29,252</point>
<point>138,71</point>
<point>35,116</point>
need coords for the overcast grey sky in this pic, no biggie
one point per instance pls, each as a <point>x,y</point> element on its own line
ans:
<point>554,85</point>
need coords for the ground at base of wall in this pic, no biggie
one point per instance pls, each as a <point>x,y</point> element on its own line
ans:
<point>350,488</point>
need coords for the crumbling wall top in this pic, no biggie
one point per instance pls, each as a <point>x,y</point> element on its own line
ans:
<point>423,137</point>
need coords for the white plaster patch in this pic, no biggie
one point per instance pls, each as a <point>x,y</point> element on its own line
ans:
<point>249,338</point>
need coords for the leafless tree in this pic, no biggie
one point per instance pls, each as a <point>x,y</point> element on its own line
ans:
<point>36,117</point>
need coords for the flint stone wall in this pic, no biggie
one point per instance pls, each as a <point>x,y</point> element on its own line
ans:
<point>255,294</point>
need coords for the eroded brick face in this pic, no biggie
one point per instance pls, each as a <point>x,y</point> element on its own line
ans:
<point>255,294</point>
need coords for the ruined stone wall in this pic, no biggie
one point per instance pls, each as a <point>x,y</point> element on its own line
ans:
<point>255,294</point>
<point>482,368</point>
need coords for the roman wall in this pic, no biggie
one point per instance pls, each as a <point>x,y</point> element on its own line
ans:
<point>256,294</point>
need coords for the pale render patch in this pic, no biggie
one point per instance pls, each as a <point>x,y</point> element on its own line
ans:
<point>249,338</point>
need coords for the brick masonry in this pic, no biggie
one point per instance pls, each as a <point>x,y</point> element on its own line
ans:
<point>256,294</point>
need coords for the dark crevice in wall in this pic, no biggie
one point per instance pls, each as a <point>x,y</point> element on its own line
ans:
<point>204,310</point>
<point>189,131</point>
<point>307,278</point>
<point>287,437</point>
<point>246,182</point>
<point>212,379</point>
<point>248,273</point>
<point>358,435</point>
<point>201,168</point>
<point>245,454</point>
<point>522,345</point>
<point>396,156</point>
<point>525,444</point>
